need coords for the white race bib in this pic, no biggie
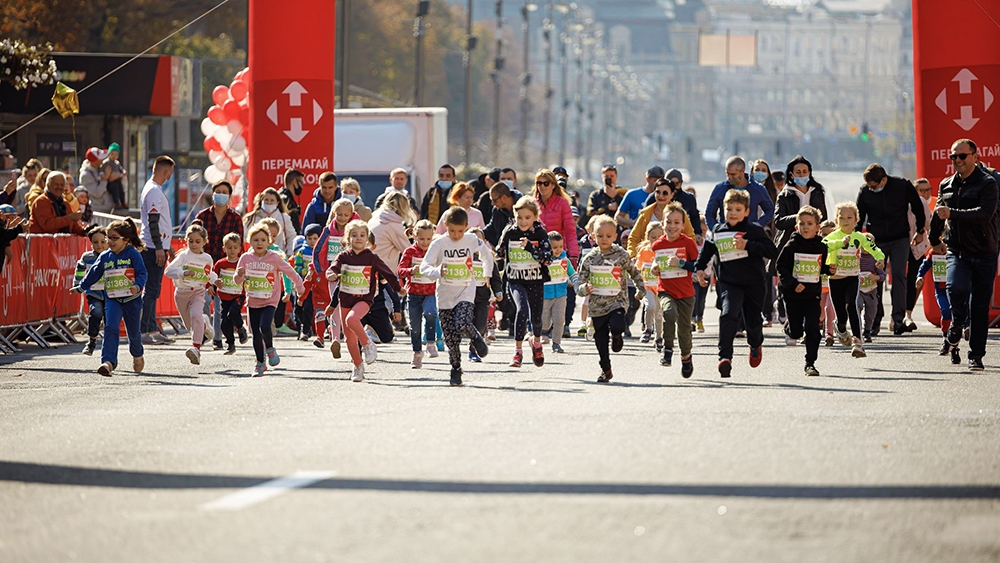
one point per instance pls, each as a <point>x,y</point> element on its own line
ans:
<point>229,285</point>
<point>606,280</point>
<point>333,248</point>
<point>416,276</point>
<point>663,259</point>
<point>806,267</point>
<point>725,243</point>
<point>118,282</point>
<point>520,259</point>
<point>479,272</point>
<point>355,280</point>
<point>848,262</point>
<point>559,271</point>
<point>457,272</point>
<point>259,280</point>
<point>939,268</point>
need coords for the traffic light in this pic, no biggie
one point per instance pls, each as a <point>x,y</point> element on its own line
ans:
<point>865,136</point>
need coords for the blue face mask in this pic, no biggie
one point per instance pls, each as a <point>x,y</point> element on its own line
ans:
<point>446,184</point>
<point>220,199</point>
<point>801,182</point>
<point>760,177</point>
<point>510,183</point>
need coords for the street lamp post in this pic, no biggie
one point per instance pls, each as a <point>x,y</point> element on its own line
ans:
<point>525,82</point>
<point>549,31</point>
<point>418,31</point>
<point>470,45</point>
<point>497,67</point>
<point>564,57</point>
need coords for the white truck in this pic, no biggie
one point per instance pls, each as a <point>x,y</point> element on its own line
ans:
<point>369,143</point>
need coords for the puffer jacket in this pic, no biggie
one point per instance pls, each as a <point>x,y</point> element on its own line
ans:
<point>556,215</point>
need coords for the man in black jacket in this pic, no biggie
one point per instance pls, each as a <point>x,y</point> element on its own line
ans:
<point>966,215</point>
<point>883,203</point>
<point>435,201</point>
<point>289,193</point>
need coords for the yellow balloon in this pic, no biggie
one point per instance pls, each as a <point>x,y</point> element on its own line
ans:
<point>65,101</point>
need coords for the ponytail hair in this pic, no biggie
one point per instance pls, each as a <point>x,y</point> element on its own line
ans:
<point>128,231</point>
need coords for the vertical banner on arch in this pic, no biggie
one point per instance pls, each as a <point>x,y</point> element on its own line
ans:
<point>292,88</point>
<point>956,67</point>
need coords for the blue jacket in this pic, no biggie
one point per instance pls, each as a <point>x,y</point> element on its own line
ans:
<point>128,258</point>
<point>761,206</point>
<point>88,259</point>
<point>318,210</point>
<point>556,290</point>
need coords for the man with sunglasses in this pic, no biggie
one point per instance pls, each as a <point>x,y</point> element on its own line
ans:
<point>687,201</point>
<point>884,204</point>
<point>966,216</point>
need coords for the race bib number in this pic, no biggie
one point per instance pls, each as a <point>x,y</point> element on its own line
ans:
<point>559,271</point>
<point>606,280</point>
<point>457,271</point>
<point>416,276</point>
<point>725,243</point>
<point>118,282</point>
<point>848,262</point>
<point>98,285</point>
<point>355,280</point>
<point>939,268</point>
<point>333,248</point>
<point>866,283</point>
<point>229,285</point>
<point>806,267</point>
<point>663,261</point>
<point>260,283</point>
<point>479,272</point>
<point>520,259</point>
<point>198,277</point>
<point>649,280</point>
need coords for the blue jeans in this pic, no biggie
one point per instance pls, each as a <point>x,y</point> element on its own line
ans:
<point>96,316</point>
<point>969,276</point>
<point>421,308</point>
<point>114,312</point>
<point>152,291</point>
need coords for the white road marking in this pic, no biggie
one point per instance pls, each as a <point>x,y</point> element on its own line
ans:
<point>266,491</point>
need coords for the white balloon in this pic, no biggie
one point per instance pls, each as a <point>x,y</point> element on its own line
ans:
<point>214,155</point>
<point>235,127</point>
<point>222,163</point>
<point>213,175</point>
<point>222,135</point>
<point>238,144</point>
<point>207,127</point>
<point>240,159</point>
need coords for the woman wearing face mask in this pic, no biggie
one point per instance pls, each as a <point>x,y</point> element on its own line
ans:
<point>269,204</point>
<point>219,220</point>
<point>351,190</point>
<point>762,175</point>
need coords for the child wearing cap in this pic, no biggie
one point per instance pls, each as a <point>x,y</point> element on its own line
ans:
<point>114,173</point>
<point>82,195</point>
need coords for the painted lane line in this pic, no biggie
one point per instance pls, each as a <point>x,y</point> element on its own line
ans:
<point>266,491</point>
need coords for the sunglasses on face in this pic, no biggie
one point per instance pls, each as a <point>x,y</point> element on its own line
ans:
<point>543,183</point>
<point>112,238</point>
<point>610,167</point>
<point>664,193</point>
<point>959,156</point>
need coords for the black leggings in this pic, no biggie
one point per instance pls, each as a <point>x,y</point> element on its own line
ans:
<point>260,324</point>
<point>231,318</point>
<point>456,324</point>
<point>480,315</point>
<point>529,299</point>
<point>844,294</point>
<point>604,327</point>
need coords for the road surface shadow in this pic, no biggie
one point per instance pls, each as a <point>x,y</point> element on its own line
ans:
<point>35,473</point>
<point>730,384</point>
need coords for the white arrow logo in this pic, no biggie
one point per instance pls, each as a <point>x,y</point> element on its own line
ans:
<point>967,120</point>
<point>295,132</point>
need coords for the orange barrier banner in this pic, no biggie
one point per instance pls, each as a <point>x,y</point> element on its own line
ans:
<point>165,306</point>
<point>43,277</point>
<point>14,294</point>
<point>69,249</point>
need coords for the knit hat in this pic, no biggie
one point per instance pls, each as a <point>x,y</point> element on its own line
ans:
<point>313,229</point>
<point>115,148</point>
<point>95,155</point>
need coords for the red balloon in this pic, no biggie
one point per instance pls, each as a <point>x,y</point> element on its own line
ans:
<point>212,144</point>
<point>220,94</point>
<point>231,110</point>
<point>245,116</point>
<point>217,115</point>
<point>238,90</point>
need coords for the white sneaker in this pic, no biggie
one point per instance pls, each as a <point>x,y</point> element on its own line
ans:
<point>789,341</point>
<point>418,360</point>
<point>590,332</point>
<point>194,355</point>
<point>371,352</point>
<point>491,335</point>
<point>359,373</point>
<point>432,350</point>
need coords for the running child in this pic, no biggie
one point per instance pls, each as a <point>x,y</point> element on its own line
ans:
<point>801,265</point>
<point>676,255</point>
<point>525,244</point>
<point>355,269</point>
<point>302,262</point>
<point>606,292</point>
<point>449,261</point>
<point>561,275</point>
<point>420,291</point>
<point>936,263</point>
<point>124,274</point>
<point>98,237</point>
<point>285,295</point>
<point>826,310</point>
<point>231,294</point>
<point>324,293</point>
<point>742,248</point>
<point>868,300</point>
<point>258,271</point>
<point>645,259</point>
<point>192,271</point>
<point>844,249</point>
<point>488,291</point>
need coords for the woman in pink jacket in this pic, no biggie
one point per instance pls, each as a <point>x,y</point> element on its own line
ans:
<point>556,215</point>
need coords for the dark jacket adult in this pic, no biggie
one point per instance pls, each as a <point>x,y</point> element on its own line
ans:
<point>318,210</point>
<point>886,210</point>
<point>796,244</point>
<point>49,215</point>
<point>499,219</point>
<point>292,203</point>
<point>435,203</point>
<point>688,202</point>
<point>972,228</point>
<point>600,202</point>
<point>788,205</point>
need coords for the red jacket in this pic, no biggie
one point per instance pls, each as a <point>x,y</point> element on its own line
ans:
<point>44,220</point>
<point>556,215</point>
<point>405,272</point>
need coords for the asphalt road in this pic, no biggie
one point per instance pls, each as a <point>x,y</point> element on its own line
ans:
<point>895,457</point>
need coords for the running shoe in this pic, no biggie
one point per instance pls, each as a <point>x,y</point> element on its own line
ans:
<point>272,357</point>
<point>106,368</point>
<point>515,362</point>
<point>605,376</point>
<point>370,351</point>
<point>756,355</point>
<point>725,367</point>
<point>359,373</point>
